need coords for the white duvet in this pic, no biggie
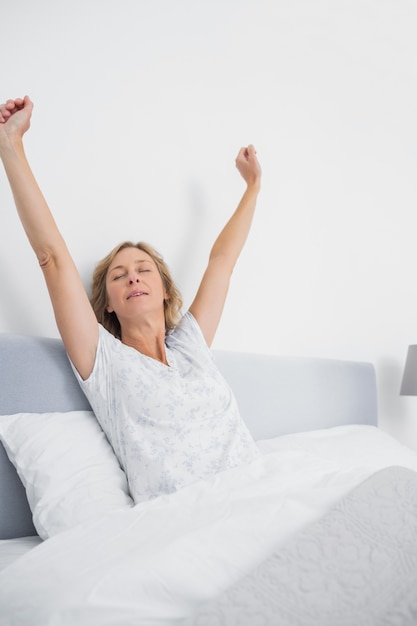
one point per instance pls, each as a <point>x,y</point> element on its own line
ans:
<point>157,562</point>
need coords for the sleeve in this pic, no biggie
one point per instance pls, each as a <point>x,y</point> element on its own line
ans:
<point>188,336</point>
<point>98,386</point>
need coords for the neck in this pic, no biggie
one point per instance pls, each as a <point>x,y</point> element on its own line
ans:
<point>149,341</point>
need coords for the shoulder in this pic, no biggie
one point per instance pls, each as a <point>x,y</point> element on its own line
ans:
<point>187,328</point>
<point>188,339</point>
<point>106,338</point>
<point>107,347</point>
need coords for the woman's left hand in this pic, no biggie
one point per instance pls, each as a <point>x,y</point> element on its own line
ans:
<point>248,165</point>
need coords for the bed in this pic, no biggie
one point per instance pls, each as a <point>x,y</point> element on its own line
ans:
<point>320,529</point>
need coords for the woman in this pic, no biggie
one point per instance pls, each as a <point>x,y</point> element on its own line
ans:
<point>146,370</point>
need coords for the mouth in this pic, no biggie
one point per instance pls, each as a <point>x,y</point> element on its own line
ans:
<point>136,294</point>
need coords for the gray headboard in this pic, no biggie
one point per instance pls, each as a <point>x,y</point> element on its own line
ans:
<point>276,395</point>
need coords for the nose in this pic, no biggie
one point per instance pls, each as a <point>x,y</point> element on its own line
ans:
<point>134,279</point>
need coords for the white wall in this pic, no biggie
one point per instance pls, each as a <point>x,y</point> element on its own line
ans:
<point>141,107</point>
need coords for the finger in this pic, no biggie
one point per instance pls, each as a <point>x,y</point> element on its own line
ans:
<point>241,156</point>
<point>27,102</point>
<point>5,114</point>
<point>10,104</point>
<point>251,151</point>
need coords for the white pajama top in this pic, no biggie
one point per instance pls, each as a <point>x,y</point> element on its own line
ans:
<point>168,425</point>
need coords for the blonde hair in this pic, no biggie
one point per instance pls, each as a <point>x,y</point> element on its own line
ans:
<point>99,301</point>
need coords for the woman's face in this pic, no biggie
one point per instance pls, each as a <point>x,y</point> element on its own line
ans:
<point>134,286</point>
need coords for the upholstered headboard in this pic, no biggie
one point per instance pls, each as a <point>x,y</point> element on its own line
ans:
<point>277,395</point>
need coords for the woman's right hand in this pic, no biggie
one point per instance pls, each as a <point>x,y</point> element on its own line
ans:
<point>15,117</point>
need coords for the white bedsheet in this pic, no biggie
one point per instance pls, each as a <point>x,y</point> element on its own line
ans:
<point>12,549</point>
<point>156,562</point>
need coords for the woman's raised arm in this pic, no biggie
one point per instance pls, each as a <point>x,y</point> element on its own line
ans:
<point>208,304</point>
<point>75,318</point>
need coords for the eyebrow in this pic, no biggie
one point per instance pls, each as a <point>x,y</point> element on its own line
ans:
<point>122,267</point>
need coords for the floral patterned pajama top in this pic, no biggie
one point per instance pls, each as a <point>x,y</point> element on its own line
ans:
<point>169,425</point>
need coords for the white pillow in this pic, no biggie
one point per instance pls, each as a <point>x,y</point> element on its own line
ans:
<point>67,466</point>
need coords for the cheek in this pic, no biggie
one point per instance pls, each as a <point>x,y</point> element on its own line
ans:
<point>164,292</point>
<point>109,300</point>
